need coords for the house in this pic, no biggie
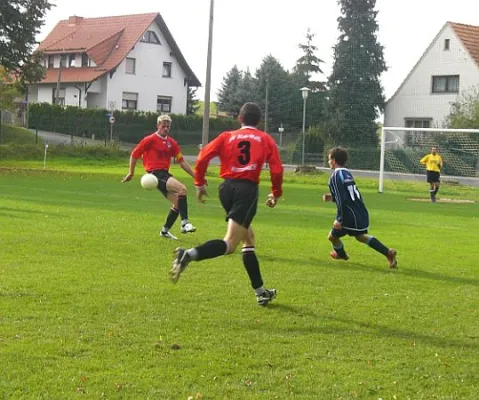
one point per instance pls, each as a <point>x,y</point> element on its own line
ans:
<point>448,68</point>
<point>128,62</point>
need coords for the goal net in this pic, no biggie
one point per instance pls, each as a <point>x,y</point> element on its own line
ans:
<point>402,148</point>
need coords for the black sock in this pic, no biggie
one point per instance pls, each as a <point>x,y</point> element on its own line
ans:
<point>432,192</point>
<point>251,264</point>
<point>211,249</point>
<point>170,219</point>
<point>378,246</point>
<point>340,250</point>
<point>183,207</point>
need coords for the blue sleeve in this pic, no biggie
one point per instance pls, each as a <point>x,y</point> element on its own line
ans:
<point>340,194</point>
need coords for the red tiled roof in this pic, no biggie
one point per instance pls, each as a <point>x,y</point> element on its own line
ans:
<point>71,75</point>
<point>107,41</point>
<point>469,36</point>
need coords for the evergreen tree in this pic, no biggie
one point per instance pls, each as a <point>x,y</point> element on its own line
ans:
<point>308,64</point>
<point>228,94</point>
<point>356,95</point>
<point>20,22</point>
<point>192,104</point>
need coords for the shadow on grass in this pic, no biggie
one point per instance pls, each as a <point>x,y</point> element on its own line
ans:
<point>10,212</point>
<point>354,327</point>
<point>380,269</point>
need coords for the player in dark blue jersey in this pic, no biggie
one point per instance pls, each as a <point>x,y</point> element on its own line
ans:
<point>352,216</point>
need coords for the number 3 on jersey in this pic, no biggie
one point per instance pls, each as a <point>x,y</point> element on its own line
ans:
<point>245,152</point>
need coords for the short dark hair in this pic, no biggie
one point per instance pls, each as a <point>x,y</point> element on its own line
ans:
<point>339,154</point>
<point>250,114</point>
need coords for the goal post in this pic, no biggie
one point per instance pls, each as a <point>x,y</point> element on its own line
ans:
<point>402,148</point>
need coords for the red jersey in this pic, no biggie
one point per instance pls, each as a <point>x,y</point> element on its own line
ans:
<point>242,154</point>
<point>157,152</point>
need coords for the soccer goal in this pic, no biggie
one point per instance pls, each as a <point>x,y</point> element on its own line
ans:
<point>402,148</point>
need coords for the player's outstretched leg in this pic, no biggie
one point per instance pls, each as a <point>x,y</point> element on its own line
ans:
<point>338,252</point>
<point>375,244</point>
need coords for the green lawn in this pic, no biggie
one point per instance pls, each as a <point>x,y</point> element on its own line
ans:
<point>87,310</point>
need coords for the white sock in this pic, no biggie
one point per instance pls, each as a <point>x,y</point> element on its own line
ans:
<point>259,290</point>
<point>193,253</point>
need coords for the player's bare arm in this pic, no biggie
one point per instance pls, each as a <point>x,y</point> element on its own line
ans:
<point>131,171</point>
<point>186,167</point>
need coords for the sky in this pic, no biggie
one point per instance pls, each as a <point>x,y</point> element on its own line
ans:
<point>246,31</point>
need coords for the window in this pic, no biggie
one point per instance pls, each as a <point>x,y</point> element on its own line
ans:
<point>63,60</point>
<point>166,70</point>
<point>51,60</point>
<point>85,60</point>
<point>150,37</point>
<point>129,101</point>
<point>445,84</point>
<point>61,96</point>
<point>72,60</point>
<point>447,43</point>
<point>163,104</point>
<point>130,66</point>
<point>418,122</point>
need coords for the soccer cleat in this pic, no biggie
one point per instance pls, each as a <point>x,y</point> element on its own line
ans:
<point>264,298</point>
<point>336,256</point>
<point>168,235</point>
<point>393,264</point>
<point>182,259</point>
<point>188,228</point>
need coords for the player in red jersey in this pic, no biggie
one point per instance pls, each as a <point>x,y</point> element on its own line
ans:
<point>242,154</point>
<point>157,150</point>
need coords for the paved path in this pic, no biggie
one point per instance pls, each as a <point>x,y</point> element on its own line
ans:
<point>58,138</point>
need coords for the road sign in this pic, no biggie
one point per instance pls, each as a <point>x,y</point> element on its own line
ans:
<point>112,119</point>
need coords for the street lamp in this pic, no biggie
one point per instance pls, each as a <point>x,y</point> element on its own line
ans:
<point>304,93</point>
<point>281,130</point>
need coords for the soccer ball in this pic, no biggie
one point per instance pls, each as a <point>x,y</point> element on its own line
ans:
<point>149,181</point>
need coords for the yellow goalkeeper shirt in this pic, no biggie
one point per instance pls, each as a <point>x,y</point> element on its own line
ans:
<point>432,162</point>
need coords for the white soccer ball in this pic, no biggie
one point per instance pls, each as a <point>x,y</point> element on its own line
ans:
<point>149,181</point>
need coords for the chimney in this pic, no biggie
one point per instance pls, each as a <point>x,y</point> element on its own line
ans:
<point>74,20</point>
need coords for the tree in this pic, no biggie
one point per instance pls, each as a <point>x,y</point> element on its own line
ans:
<point>8,90</point>
<point>356,94</point>
<point>308,64</point>
<point>20,22</point>
<point>465,111</point>
<point>192,104</point>
<point>227,95</point>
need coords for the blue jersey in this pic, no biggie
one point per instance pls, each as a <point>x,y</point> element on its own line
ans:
<point>352,213</point>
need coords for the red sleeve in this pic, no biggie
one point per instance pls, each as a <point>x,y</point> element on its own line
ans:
<point>176,151</point>
<point>141,147</point>
<point>210,151</point>
<point>275,168</point>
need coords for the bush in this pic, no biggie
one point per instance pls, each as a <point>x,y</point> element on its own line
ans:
<point>130,126</point>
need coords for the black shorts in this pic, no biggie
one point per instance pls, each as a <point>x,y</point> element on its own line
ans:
<point>163,175</point>
<point>239,198</point>
<point>344,231</point>
<point>433,176</point>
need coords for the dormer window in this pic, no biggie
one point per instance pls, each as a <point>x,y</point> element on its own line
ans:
<point>150,37</point>
<point>85,60</point>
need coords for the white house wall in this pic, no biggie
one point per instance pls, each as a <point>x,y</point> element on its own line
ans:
<point>148,81</point>
<point>415,98</point>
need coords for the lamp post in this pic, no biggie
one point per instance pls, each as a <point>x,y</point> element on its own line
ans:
<point>304,93</point>
<point>281,130</point>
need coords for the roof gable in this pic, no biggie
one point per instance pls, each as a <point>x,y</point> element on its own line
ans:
<point>108,40</point>
<point>468,34</point>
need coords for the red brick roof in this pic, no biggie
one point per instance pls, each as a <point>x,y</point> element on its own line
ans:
<point>469,36</point>
<point>107,41</point>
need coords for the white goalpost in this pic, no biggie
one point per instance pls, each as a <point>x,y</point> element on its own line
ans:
<point>402,148</point>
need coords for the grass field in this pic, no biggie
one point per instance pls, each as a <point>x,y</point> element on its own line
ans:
<point>87,310</point>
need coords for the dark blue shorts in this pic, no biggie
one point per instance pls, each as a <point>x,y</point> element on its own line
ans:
<point>344,231</point>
